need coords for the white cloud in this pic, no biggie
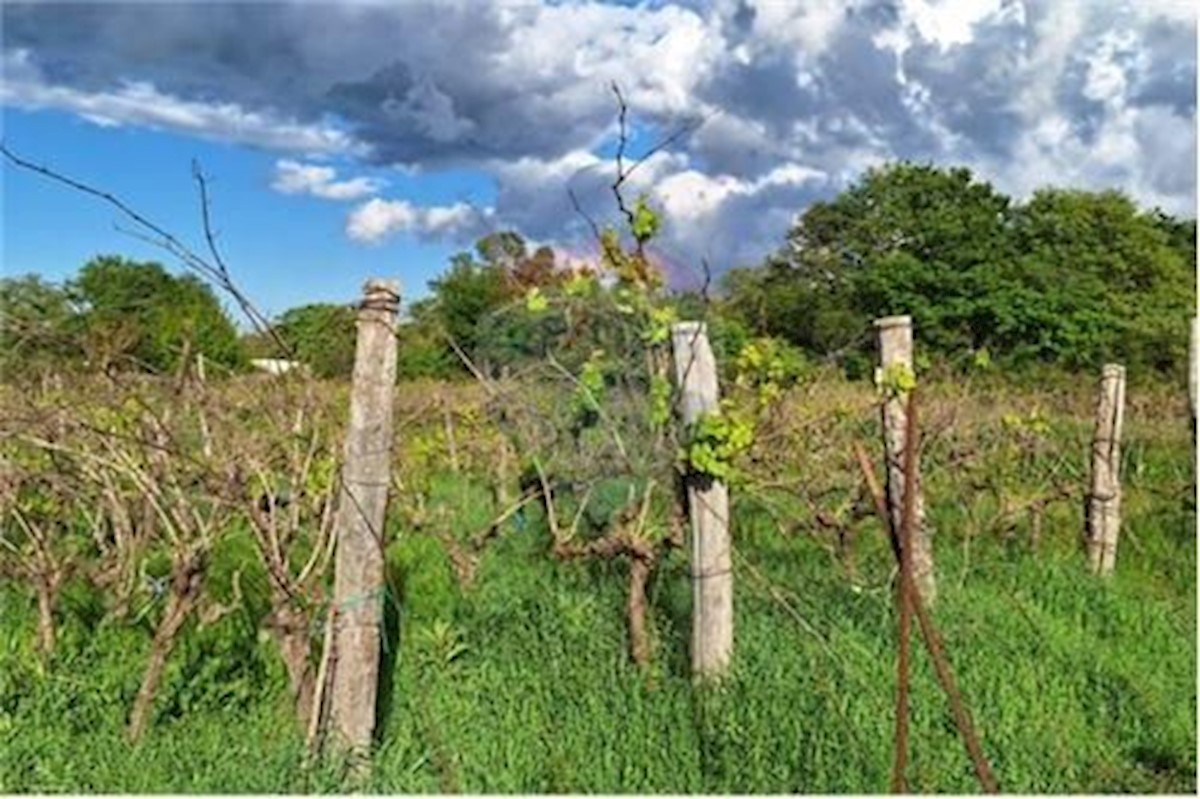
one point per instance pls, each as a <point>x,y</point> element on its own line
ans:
<point>1178,12</point>
<point>690,196</point>
<point>140,103</point>
<point>1055,35</point>
<point>806,26</point>
<point>1108,67</point>
<point>796,98</point>
<point>293,177</point>
<point>377,219</point>
<point>568,54</point>
<point>948,22</point>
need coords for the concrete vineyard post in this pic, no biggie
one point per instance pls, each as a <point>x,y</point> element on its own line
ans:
<point>362,505</point>
<point>1104,499</point>
<point>708,507</point>
<point>896,361</point>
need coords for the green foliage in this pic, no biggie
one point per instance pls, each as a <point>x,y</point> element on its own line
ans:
<point>136,314</point>
<point>1116,285</point>
<point>658,329</point>
<point>897,380</point>
<point>660,401</point>
<point>421,351</point>
<point>763,369</point>
<point>581,285</point>
<point>468,292</point>
<point>535,301</point>
<point>495,304</point>
<point>126,314</point>
<point>502,248</point>
<point>38,327</point>
<point>441,642</point>
<point>589,393</point>
<point>715,441</point>
<point>767,367</point>
<point>1069,277</point>
<point>776,300</point>
<point>646,221</point>
<point>520,683</point>
<point>519,332</point>
<point>321,336</point>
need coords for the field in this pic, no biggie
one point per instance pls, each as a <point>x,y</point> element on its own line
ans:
<point>518,679</point>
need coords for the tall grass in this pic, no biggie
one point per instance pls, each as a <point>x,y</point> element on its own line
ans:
<point>521,682</point>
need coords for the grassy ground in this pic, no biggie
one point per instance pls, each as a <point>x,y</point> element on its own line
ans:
<point>521,683</point>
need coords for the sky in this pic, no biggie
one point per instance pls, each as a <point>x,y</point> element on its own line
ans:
<point>345,140</point>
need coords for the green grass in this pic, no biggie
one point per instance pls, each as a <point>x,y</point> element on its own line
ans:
<point>522,683</point>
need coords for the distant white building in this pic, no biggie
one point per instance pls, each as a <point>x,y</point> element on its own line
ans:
<point>275,366</point>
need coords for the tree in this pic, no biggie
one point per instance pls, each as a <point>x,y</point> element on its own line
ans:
<point>1098,280</point>
<point>502,249</point>
<point>467,293</point>
<point>906,238</point>
<point>1070,277</point>
<point>775,300</point>
<point>421,350</point>
<point>538,270</point>
<point>322,336</point>
<point>136,314</point>
<point>38,328</point>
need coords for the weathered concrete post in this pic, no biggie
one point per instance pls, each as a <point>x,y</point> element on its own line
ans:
<point>1104,499</point>
<point>708,507</point>
<point>896,361</point>
<point>362,505</point>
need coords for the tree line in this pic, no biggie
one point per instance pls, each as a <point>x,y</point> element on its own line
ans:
<point>1067,277</point>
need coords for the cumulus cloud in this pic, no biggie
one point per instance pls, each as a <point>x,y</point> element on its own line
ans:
<point>377,219</point>
<point>789,100</point>
<point>293,177</point>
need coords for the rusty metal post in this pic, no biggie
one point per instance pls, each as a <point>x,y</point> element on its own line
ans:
<point>896,358</point>
<point>1104,499</point>
<point>362,506</point>
<point>708,507</point>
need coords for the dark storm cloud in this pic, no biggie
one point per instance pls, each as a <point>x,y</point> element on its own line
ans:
<point>1092,94</point>
<point>240,52</point>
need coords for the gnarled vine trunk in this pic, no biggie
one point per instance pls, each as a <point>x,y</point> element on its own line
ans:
<point>290,629</point>
<point>639,638</point>
<point>187,579</point>
<point>47,587</point>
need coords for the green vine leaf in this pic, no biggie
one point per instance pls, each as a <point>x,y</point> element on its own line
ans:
<point>896,380</point>
<point>535,301</point>
<point>660,402</point>
<point>646,221</point>
<point>589,393</point>
<point>658,329</point>
<point>715,441</point>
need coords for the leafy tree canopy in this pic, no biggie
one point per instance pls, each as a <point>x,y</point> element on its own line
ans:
<point>322,336</point>
<point>135,314</point>
<point>38,329</point>
<point>1069,277</point>
<point>469,299</point>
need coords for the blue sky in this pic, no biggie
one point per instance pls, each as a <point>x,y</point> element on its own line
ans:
<point>356,139</point>
<point>284,250</point>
